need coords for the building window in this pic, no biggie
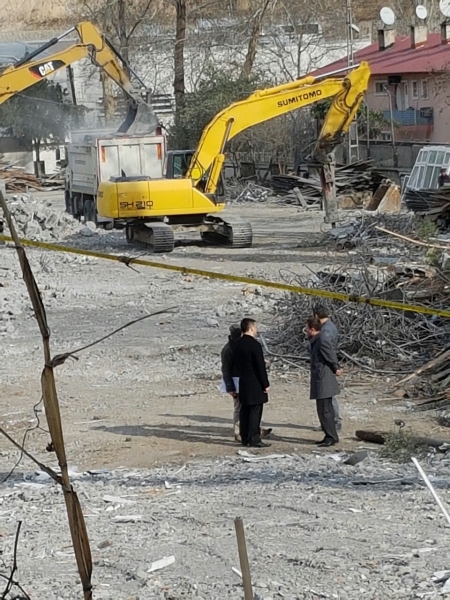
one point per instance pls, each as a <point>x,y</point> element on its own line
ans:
<point>415,90</point>
<point>424,90</point>
<point>380,88</point>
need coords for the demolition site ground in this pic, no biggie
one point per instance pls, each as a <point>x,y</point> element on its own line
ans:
<point>150,444</point>
<point>150,393</point>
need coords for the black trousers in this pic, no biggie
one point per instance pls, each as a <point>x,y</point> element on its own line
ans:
<point>250,423</point>
<point>325,413</point>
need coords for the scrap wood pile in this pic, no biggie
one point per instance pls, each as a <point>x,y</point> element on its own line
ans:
<point>433,203</point>
<point>378,338</point>
<point>430,383</point>
<point>356,178</point>
<point>381,340</point>
<point>18,181</point>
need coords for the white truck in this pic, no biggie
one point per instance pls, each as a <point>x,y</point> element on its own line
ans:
<point>97,155</point>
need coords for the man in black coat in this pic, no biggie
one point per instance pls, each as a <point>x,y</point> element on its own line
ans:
<point>230,377</point>
<point>253,384</point>
<point>324,385</point>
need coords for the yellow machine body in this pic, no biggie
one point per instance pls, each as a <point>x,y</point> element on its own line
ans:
<point>152,199</point>
<point>194,194</point>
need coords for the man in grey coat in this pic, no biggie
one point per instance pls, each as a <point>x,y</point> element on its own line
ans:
<point>324,385</point>
<point>330,329</point>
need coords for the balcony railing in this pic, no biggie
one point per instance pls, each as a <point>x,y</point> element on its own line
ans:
<point>410,117</point>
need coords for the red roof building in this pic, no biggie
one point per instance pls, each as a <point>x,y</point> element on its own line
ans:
<point>410,82</point>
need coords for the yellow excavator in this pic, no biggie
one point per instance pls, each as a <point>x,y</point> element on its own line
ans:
<point>189,196</point>
<point>95,46</point>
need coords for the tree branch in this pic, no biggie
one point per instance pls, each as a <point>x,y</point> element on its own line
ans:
<point>139,20</point>
<point>10,580</point>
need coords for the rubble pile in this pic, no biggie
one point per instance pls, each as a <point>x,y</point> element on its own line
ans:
<point>381,266</point>
<point>161,533</point>
<point>16,180</point>
<point>356,179</point>
<point>382,338</point>
<point>37,220</point>
<point>429,385</point>
<point>240,193</point>
<point>434,203</point>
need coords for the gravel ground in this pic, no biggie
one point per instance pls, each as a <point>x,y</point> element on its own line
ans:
<point>147,400</point>
<point>312,532</point>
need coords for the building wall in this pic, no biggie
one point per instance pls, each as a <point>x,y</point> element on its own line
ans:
<point>416,92</point>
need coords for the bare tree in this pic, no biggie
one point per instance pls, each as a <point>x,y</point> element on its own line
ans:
<point>254,38</point>
<point>179,84</point>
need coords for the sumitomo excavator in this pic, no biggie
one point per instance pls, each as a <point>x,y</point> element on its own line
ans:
<point>189,196</point>
<point>93,45</point>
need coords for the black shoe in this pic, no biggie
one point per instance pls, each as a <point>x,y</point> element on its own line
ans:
<point>327,444</point>
<point>320,442</point>
<point>260,445</point>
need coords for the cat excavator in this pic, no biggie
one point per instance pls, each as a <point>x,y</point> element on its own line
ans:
<point>190,195</point>
<point>95,46</point>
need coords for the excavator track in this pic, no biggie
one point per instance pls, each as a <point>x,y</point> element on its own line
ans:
<point>232,233</point>
<point>158,237</point>
<point>240,234</point>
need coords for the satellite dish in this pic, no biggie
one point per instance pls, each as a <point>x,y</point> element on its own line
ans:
<point>421,12</point>
<point>444,7</point>
<point>388,17</point>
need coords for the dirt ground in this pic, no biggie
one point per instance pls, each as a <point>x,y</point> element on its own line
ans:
<point>150,394</point>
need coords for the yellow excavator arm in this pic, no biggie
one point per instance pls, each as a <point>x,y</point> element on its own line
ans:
<point>347,93</point>
<point>92,45</point>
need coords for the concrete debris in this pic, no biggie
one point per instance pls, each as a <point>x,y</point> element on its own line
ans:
<point>387,199</point>
<point>161,564</point>
<point>118,500</point>
<point>127,518</point>
<point>249,192</point>
<point>37,220</point>
<point>193,534</point>
<point>248,457</point>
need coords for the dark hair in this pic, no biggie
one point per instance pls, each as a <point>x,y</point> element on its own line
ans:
<point>246,324</point>
<point>320,311</point>
<point>235,332</point>
<point>314,323</point>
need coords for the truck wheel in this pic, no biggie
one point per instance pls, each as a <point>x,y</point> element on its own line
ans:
<point>108,226</point>
<point>89,212</point>
<point>68,202</point>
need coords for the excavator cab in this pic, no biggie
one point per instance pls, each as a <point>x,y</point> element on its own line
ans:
<point>177,164</point>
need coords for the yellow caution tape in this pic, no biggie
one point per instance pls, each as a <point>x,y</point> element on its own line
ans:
<point>285,287</point>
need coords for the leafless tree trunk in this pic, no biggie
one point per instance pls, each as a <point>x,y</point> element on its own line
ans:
<point>253,41</point>
<point>180,39</point>
<point>122,31</point>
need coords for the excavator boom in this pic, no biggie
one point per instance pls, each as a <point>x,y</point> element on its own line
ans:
<point>347,93</point>
<point>93,45</point>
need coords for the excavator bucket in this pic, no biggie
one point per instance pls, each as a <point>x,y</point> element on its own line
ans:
<point>140,120</point>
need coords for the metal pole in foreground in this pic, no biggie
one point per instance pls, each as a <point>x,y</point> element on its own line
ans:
<point>243,559</point>
<point>431,488</point>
